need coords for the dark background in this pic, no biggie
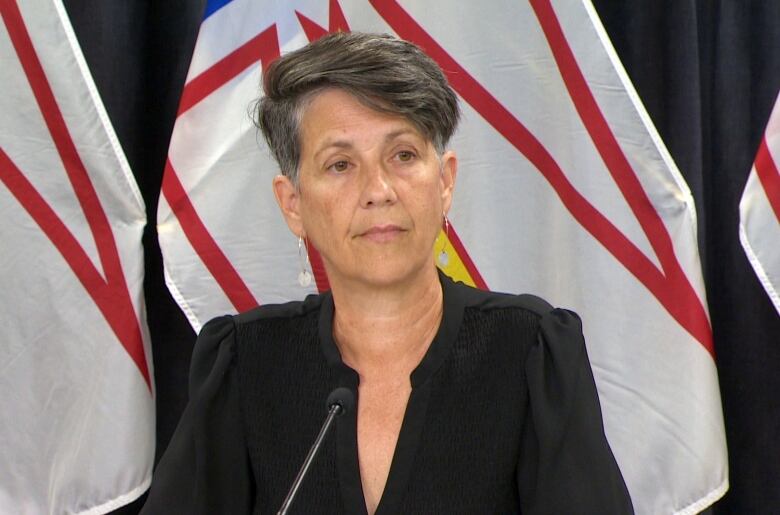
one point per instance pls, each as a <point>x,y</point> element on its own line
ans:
<point>708,72</point>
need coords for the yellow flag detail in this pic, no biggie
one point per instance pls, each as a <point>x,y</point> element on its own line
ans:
<point>454,266</point>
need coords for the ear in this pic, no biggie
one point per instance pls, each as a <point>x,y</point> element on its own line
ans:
<point>288,198</point>
<point>449,171</point>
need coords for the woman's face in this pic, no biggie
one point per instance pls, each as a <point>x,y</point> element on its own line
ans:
<point>371,193</point>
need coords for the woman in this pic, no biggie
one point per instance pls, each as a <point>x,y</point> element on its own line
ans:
<point>467,401</point>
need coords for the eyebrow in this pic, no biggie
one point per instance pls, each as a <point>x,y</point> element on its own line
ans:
<point>400,132</point>
<point>346,144</point>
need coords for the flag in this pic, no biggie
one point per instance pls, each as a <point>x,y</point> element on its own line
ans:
<point>77,428</point>
<point>759,209</point>
<point>564,190</point>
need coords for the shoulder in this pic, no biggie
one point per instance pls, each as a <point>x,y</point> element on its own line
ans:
<point>491,300</point>
<point>525,317</point>
<point>220,338</point>
<point>220,328</point>
<point>286,318</point>
<point>288,310</point>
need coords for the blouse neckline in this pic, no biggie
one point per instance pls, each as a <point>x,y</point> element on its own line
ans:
<point>413,422</point>
<point>452,314</point>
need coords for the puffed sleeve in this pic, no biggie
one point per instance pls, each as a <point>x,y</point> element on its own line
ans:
<point>566,465</point>
<point>206,466</point>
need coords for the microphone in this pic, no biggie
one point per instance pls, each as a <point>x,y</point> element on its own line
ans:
<point>340,401</point>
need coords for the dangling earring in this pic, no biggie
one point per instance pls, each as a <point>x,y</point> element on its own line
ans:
<point>304,276</point>
<point>444,258</point>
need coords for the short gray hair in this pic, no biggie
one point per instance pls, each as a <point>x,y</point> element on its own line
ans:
<point>385,73</point>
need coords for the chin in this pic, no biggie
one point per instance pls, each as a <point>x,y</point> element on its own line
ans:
<point>387,268</point>
<point>395,274</point>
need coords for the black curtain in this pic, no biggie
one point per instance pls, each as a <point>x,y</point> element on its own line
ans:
<point>708,72</point>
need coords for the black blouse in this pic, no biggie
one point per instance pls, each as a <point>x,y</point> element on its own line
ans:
<point>503,417</point>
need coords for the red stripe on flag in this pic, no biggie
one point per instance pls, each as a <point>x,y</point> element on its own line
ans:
<point>312,30</point>
<point>203,243</point>
<point>264,48</point>
<point>113,298</point>
<point>583,211</point>
<point>336,19</point>
<point>768,174</point>
<point>318,269</point>
<point>479,282</point>
<point>678,295</point>
<point>52,226</point>
<point>336,22</point>
<point>74,167</point>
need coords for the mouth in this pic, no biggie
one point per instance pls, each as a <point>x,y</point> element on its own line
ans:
<point>382,233</point>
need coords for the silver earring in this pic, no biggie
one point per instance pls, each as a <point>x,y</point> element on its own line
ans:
<point>443,258</point>
<point>304,276</point>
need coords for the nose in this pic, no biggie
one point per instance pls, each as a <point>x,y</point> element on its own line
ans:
<point>377,187</point>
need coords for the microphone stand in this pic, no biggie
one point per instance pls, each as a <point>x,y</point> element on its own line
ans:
<point>338,402</point>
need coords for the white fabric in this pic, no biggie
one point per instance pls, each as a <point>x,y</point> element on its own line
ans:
<point>77,428</point>
<point>657,382</point>
<point>759,226</point>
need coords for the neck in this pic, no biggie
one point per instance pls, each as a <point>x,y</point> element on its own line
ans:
<point>387,329</point>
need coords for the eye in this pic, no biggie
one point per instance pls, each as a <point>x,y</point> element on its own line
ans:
<point>339,166</point>
<point>405,156</point>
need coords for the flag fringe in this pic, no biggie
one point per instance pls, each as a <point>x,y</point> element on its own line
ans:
<point>121,500</point>
<point>706,501</point>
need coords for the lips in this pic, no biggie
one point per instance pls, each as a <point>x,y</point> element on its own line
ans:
<point>381,233</point>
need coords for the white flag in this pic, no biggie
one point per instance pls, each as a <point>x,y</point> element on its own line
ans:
<point>564,190</point>
<point>759,209</point>
<point>77,427</point>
